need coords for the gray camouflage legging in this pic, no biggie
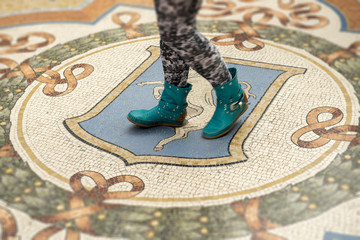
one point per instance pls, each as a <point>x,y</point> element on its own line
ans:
<point>182,46</point>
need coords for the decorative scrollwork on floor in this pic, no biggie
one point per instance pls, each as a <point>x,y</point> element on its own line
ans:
<point>245,33</point>
<point>21,45</point>
<point>8,223</point>
<point>351,51</point>
<point>79,212</point>
<point>300,13</point>
<point>70,79</point>
<point>334,133</point>
<point>25,70</point>
<point>258,225</point>
<point>129,27</point>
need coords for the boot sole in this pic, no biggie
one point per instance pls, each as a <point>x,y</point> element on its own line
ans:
<point>154,125</point>
<point>225,132</point>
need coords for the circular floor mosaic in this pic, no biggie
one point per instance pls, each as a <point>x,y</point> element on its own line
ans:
<point>274,144</point>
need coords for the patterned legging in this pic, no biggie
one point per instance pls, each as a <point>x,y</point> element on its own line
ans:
<point>182,46</point>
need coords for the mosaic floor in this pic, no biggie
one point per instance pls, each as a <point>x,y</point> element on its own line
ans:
<point>72,167</point>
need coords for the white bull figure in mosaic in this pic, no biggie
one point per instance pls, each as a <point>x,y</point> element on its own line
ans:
<point>200,106</point>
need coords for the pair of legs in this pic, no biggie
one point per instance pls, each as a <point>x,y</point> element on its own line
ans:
<point>182,47</point>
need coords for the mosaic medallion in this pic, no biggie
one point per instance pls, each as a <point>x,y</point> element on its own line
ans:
<point>87,127</point>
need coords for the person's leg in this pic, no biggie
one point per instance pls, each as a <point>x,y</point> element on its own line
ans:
<point>177,26</point>
<point>171,110</point>
<point>175,69</point>
<point>183,46</point>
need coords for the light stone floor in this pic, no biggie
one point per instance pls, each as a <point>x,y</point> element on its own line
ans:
<point>73,167</point>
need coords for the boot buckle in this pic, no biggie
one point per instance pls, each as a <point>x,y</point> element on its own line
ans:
<point>236,105</point>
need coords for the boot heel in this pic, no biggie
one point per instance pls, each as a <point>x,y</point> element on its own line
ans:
<point>245,98</point>
<point>182,117</point>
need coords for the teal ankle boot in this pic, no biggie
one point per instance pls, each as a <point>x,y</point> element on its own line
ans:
<point>231,104</point>
<point>170,111</point>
